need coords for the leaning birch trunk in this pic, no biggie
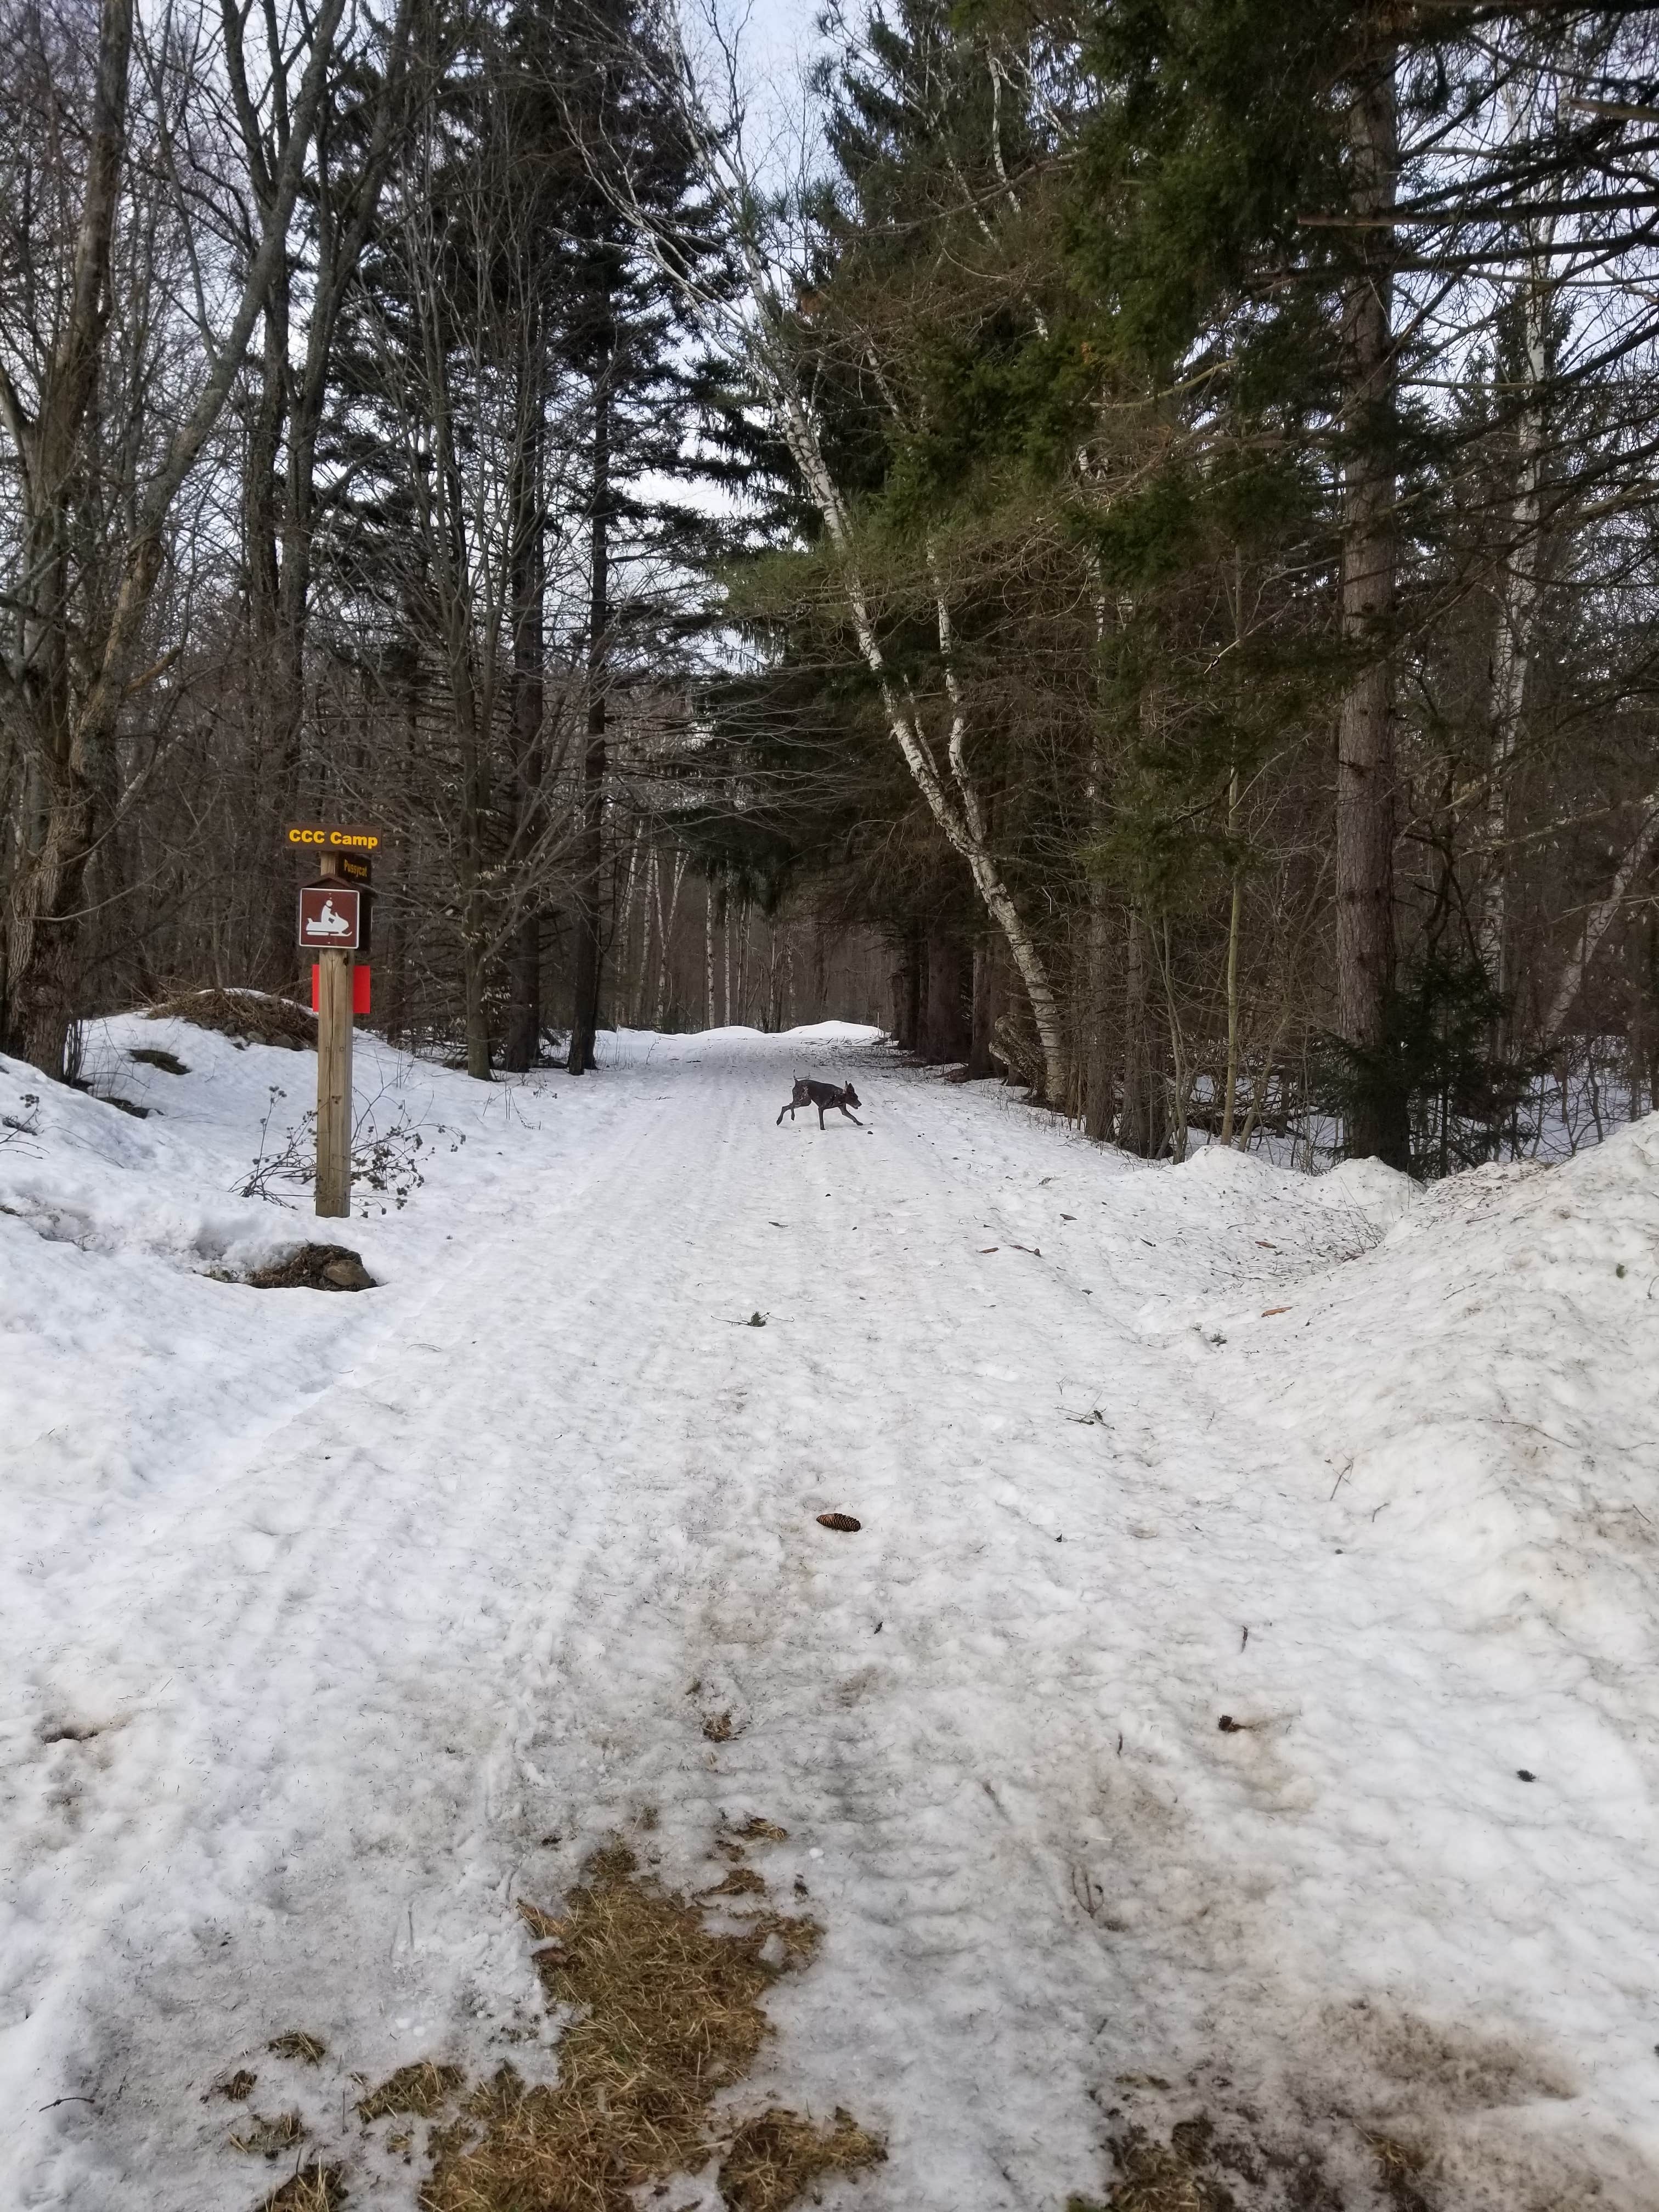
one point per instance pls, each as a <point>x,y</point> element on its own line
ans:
<point>959,815</point>
<point>1601,916</point>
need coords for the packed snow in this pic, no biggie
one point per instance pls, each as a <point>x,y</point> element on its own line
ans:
<point>1238,1701</point>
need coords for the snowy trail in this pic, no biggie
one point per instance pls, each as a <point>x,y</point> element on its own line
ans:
<point>540,1563</point>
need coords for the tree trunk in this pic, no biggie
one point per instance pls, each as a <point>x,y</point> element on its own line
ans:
<point>1143,1120</point>
<point>472,717</point>
<point>524,1017</point>
<point>590,854</point>
<point>650,916</point>
<point>474,956</point>
<point>1097,1100</point>
<point>523,1013</point>
<point>666,935</point>
<point>743,962</point>
<point>1235,916</point>
<point>1526,101</point>
<point>1517,603</point>
<point>708,952</point>
<point>63,790</point>
<point>1365,827</point>
<point>945,1027</point>
<point>983,1012</point>
<point>907,995</point>
<point>622,929</point>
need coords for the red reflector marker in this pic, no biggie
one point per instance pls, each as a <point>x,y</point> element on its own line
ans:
<point>359,989</point>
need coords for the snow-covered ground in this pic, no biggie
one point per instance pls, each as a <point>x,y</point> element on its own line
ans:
<point>331,1626</point>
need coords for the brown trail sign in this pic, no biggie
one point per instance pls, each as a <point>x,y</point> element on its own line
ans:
<point>332,913</point>
<point>330,918</point>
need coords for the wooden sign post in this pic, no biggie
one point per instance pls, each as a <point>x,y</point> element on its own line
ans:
<point>331,918</point>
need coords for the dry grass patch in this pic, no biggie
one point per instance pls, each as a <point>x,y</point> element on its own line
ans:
<point>663,2013</point>
<point>314,2188</point>
<point>238,2087</point>
<point>774,2160</point>
<point>295,2043</point>
<point>419,2089</point>
<point>251,1017</point>
<point>1155,2177</point>
<point>264,2135</point>
<point>1400,2167</point>
<point>742,1881</point>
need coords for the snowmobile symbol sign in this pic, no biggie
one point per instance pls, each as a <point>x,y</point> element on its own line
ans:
<point>329,917</point>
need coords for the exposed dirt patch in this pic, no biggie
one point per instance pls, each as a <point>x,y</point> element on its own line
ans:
<point>249,1016</point>
<point>314,1267</point>
<point>154,1056</point>
<point>1374,2109</point>
<point>1187,2173</point>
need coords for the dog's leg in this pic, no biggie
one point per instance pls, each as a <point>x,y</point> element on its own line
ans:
<point>851,1115</point>
<point>820,1117</point>
<point>782,1110</point>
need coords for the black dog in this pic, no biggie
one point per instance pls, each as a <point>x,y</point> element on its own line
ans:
<point>822,1095</point>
